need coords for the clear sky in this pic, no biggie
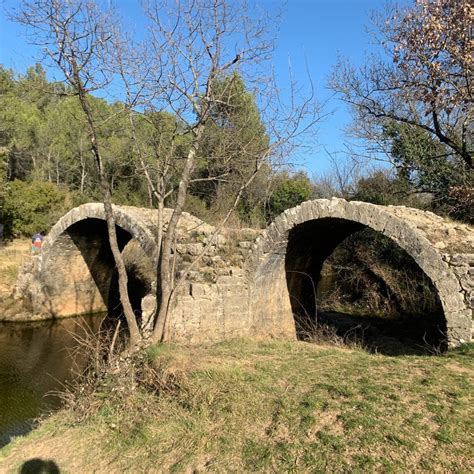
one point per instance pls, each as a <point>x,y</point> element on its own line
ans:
<point>312,32</point>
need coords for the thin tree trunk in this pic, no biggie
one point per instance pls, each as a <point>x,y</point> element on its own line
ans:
<point>165,273</point>
<point>83,166</point>
<point>150,196</point>
<point>159,192</point>
<point>49,164</point>
<point>107,201</point>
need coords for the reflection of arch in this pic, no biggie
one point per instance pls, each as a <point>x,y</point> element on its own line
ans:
<point>77,265</point>
<point>303,237</point>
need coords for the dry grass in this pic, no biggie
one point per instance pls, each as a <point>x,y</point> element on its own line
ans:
<point>12,255</point>
<point>270,407</point>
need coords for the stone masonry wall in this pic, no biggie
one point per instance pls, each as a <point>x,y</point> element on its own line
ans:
<point>213,301</point>
<point>443,249</point>
<point>70,277</point>
<point>239,285</point>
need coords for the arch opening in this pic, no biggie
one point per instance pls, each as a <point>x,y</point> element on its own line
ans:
<point>140,273</point>
<point>326,255</point>
<point>79,276</point>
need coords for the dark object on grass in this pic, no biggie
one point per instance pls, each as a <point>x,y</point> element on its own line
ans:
<point>39,466</point>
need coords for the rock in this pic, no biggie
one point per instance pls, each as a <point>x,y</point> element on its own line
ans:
<point>181,249</point>
<point>211,250</point>
<point>462,259</point>
<point>148,311</point>
<point>218,262</point>
<point>470,299</point>
<point>220,240</point>
<point>194,249</point>
<point>222,271</point>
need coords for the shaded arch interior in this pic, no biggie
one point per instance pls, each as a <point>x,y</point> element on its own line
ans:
<point>78,274</point>
<point>309,245</point>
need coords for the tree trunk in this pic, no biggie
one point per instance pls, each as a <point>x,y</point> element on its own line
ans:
<point>83,166</point>
<point>49,164</point>
<point>162,325</point>
<point>57,171</point>
<point>135,336</point>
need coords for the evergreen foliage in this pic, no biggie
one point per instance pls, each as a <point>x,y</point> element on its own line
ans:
<point>46,167</point>
<point>30,207</point>
<point>425,165</point>
<point>289,191</point>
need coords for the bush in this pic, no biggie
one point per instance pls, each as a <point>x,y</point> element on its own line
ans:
<point>30,207</point>
<point>289,191</point>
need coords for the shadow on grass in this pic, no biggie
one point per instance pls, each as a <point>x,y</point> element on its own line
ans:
<point>387,336</point>
<point>39,466</point>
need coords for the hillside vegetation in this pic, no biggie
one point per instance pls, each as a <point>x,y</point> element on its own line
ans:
<point>263,406</point>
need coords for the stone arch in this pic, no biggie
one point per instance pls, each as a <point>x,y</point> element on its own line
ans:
<point>76,268</point>
<point>443,250</point>
<point>125,218</point>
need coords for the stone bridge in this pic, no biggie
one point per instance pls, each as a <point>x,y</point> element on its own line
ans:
<point>244,282</point>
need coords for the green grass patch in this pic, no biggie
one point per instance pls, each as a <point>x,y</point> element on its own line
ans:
<point>244,405</point>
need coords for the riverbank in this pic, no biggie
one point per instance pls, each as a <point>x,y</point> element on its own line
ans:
<point>13,254</point>
<point>252,406</point>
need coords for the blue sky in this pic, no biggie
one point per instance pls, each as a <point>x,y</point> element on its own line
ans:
<point>312,32</point>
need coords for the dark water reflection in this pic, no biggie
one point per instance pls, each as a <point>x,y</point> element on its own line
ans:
<point>35,359</point>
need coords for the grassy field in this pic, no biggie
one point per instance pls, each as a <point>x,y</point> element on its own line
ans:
<point>264,406</point>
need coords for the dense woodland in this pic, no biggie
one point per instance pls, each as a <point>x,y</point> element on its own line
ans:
<point>46,166</point>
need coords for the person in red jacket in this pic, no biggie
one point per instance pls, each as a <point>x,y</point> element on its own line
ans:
<point>36,243</point>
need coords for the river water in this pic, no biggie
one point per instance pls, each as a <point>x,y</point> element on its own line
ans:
<point>35,360</point>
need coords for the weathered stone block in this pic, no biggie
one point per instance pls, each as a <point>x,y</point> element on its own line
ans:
<point>462,259</point>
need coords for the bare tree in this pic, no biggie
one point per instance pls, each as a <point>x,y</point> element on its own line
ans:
<point>75,36</point>
<point>341,178</point>
<point>196,51</point>
<point>426,81</point>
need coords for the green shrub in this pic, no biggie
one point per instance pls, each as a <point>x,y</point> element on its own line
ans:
<point>289,191</point>
<point>30,207</point>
